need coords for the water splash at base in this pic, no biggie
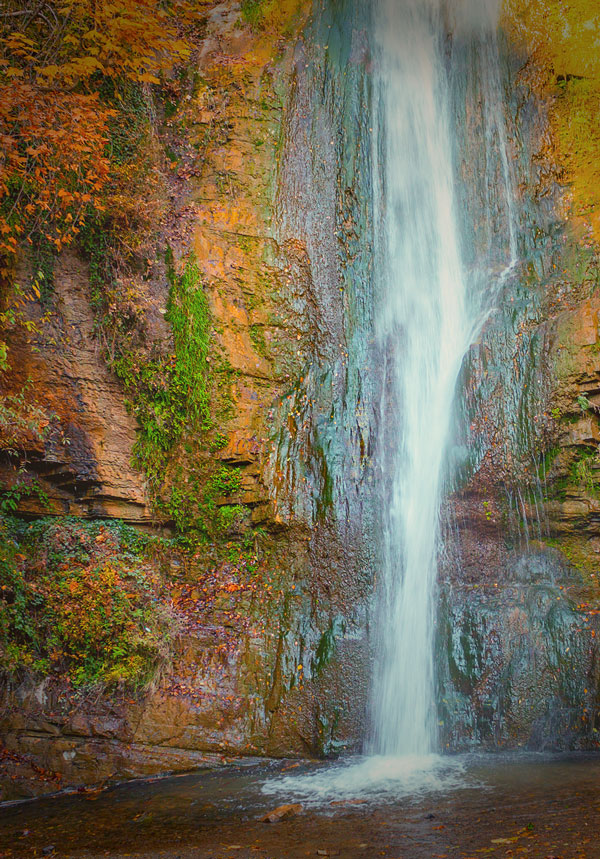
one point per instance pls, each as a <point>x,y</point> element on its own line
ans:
<point>378,778</point>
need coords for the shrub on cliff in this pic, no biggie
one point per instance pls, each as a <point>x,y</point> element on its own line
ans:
<point>78,600</point>
<point>76,112</point>
<point>54,115</point>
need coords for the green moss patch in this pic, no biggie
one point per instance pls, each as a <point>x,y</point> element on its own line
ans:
<point>169,394</point>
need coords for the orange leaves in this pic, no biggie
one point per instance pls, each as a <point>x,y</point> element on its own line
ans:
<point>53,162</point>
<point>54,124</point>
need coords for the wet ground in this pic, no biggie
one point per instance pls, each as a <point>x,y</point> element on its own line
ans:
<point>542,808</point>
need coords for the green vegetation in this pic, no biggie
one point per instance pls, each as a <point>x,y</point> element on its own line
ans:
<point>327,644</point>
<point>169,394</point>
<point>188,313</point>
<point>176,398</point>
<point>547,460</point>
<point>25,487</point>
<point>578,473</point>
<point>258,340</point>
<point>198,503</point>
<point>219,442</point>
<point>78,600</point>
<point>571,551</point>
<point>22,421</point>
<point>583,471</point>
<point>230,519</point>
<point>176,395</point>
<point>43,258</point>
<point>226,481</point>
<point>583,403</point>
<point>253,11</point>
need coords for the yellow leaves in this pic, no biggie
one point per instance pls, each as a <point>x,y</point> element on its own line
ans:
<point>49,72</point>
<point>146,77</point>
<point>564,42</point>
<point>181,48</point>
<point>55,166</point>
<point>18,44</point>
<point>17,40</point>
<point>81,67</point>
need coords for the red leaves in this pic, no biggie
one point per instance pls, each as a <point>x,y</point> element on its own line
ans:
<point>7,757</point>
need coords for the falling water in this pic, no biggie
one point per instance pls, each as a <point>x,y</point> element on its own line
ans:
<point>429,311</point>
<point>442,253</point>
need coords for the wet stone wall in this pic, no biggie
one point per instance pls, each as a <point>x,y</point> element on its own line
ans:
<point>517,651</point>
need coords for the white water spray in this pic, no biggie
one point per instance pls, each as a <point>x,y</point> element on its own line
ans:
<point>428,317</point>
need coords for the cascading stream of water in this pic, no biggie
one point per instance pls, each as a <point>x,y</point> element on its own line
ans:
<point>429,311</point>
<point>422,328</point>
<point>441,255</point>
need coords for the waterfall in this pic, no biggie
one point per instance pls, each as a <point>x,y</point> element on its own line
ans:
<point>430,307</point>
<point>444,244</point>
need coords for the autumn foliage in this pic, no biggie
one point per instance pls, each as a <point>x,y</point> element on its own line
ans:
<point>564,36</point>
<point>54,163</point>
<point>56,58</point>
<point>83,601</point>
<point>563,41</point>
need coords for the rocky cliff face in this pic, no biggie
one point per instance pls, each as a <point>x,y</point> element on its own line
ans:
<point>84,464</point>
<point>269,605</point>
<point>518,590</point>
<point>269,186</point>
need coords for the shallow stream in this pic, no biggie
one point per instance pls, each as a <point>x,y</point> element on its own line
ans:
<point>498,806</point>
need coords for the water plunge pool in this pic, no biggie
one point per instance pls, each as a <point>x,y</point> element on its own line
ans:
<point>538,806</point>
